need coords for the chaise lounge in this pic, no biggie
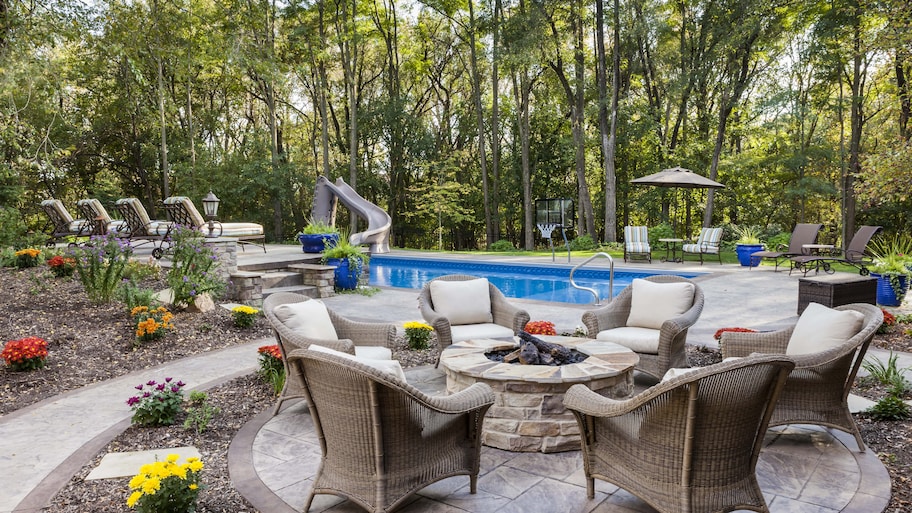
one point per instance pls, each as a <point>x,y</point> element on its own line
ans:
<point>181,211</point>
<point>61,223</point>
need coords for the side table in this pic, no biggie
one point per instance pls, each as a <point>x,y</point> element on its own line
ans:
<point>836,290</point>
<point>672,245</point>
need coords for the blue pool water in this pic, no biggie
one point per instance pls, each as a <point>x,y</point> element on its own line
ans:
<point>539,282</point>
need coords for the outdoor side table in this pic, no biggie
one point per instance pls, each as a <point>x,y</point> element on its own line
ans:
<point>836,290</point>
<point>672,245</point>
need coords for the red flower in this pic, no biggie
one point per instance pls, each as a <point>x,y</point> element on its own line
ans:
<point>889,319</point>
<point>272,350</point>
<point>540,328</point>
<point>719,333</point>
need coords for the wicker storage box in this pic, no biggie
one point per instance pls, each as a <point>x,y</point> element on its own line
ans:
<point>836,289</point>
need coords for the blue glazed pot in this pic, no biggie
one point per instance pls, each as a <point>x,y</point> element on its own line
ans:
<point>317,242</point>
<point>744,254</point>
<point>346,277</point>
<point>886,296</point>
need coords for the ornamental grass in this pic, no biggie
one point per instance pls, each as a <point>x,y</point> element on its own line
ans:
<point>166,486</point>
<point>25,354</point>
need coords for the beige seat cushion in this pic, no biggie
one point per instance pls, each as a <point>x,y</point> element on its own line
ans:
<point>462,302</point>
<point>388,366</point>
<point>651,304</point>
<point>820,328</point>
<point>485,330</point>
<point>373,352</point>
<point>308,319</point>
<point>640,340</point>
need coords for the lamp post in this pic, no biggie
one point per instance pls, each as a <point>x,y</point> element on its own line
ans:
<point>210,208</point>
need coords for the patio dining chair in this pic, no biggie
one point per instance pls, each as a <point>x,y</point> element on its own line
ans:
<point>181,211</point>
<point>708,243</point>
<point>299,321</point>
<point>141,228</point>
<point>689,444</point>
<point>61,224</point>
<point>461,307</point>
<point>828,346</point>
<point>636,243</point>
<point>651,317</point>
<point>381,439</point>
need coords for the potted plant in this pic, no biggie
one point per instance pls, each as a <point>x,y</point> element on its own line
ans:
<point>891,268</point>
<point>348,261</point>
<point>748,243</point>
<point>317,235</point>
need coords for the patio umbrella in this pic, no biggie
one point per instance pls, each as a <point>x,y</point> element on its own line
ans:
<point>678,177</point>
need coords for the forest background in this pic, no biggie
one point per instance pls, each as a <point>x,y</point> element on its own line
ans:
<point>456,115</point>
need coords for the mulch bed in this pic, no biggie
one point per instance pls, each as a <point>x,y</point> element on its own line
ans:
<point>90,343</point>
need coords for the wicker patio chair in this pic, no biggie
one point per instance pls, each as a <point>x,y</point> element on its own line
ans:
<point>689,444</point>
<point>349,335</point>
<point>658,330</point>
<point>142,228</point>
<point>381,439</point>
<point>61,224</point>
<point>181,211</point>
<point>708,243</point>
<point>492,315</point>
<point>100,222</point>
<point>817,390</point>
<point>804,233</point>
<point>636,243</point>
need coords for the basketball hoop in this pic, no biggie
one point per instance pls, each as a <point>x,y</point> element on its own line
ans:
<point>546,229</point>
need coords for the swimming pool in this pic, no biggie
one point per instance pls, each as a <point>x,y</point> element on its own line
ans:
<point>523,281</point>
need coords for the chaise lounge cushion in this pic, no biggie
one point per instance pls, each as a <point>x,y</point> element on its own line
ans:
<point>820,328</point>
<point>308,319</point>
<point>652,303</point>
<point>388,366</point>
<point>462,302</point>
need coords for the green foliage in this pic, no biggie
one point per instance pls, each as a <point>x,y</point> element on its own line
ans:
<point>199,412</point>
<point>891,407</point>
<point>132,295</point>
<point>157,404</point>
<point>7,257</point>
<point>272,370</point>
<point>502,246</point>
<point>583,243</point>
<point>317,226</point>
<point>194,268</point>
<point>888,374</point>
<point>660,231</point>
<point>137,271</point>
<point>746,234</point>
<point>100,265</point>
<point>12,229</point>
<point>244,316</point>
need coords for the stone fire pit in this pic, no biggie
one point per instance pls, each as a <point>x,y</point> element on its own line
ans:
<point>528,413</point>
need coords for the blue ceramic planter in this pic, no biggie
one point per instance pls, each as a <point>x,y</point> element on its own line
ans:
<point>317,242</point>
<point>744,254</point>
<point>346,277</point>
<point>886,296</point>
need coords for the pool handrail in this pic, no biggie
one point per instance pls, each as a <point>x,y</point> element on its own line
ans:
<point>594,292</point>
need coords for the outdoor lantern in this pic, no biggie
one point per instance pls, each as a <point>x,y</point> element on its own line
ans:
<point>210,208</point>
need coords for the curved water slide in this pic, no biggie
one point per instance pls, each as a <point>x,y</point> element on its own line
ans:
<point>326,194</point>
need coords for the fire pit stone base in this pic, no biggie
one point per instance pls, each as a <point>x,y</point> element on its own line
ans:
<point>528,413</point>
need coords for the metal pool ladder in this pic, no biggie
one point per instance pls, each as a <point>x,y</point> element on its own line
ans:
<point>598,301</point>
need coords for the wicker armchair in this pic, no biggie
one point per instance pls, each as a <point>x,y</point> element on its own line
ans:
<point>350,334</point>
<point>507,320</point>
<point>689,444</point>
<point>671,337</point>
<point>817,390</point>
<point>381,439</point>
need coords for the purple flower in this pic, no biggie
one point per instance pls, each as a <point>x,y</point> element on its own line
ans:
<point>146,394</point>
<point>180,383</point>
<point>168,380</point>
<point>175,388</point>
<point>186,279</point>
<point>138,387</point>
<point>151,383</point>
<point>160,387</point>
<point>133,400</point>
<point>161,398</point>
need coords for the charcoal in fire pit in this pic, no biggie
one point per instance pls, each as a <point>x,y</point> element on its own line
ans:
<point>556,351</point>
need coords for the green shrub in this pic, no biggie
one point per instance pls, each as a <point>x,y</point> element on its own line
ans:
<point>891,407</point>
<point>660,231</point>
<point>12,229</point>
<point>137,271</point>
<point>583,243</point>
<point>193,269</point>
<point>100,265</point>
<point>502,245</point>
<point>8,257</point>
<point>133,295</point>
<point>199,412</point>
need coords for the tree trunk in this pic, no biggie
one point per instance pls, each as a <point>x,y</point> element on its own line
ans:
<point>166,189</point>
<point>495,125</point>
<point>479,117</point>
<point>587,216</point>
<point>856,123</point>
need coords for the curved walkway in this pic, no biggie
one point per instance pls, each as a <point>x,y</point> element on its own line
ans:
<point>272,458</point>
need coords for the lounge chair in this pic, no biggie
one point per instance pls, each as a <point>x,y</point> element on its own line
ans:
<point>804,233</point>
<point>689,444</point>
<point>100,222</point>
<point>141,228</point>
<point>381,439</point>
<point>461,307</point>
<point>61,224</point>
<point>636,243</point>
<point>298,323</point>
<point>828,346</point>
<point>708,243</point>
<point>856,254</point>
<point>181,211</point>
<point>651,317</point>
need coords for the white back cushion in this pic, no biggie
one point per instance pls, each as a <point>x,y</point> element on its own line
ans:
<point>388,366</point>
<point>654,303</point>
<point>462,302</point>
<point>820,328</point>
<point>308,319</point>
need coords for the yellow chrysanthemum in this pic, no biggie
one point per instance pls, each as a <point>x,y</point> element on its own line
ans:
<point>193,486</point>
<point>195,465</point>
<point>244,309</point>
<point>137,481</point>
<point>416,325</point>
<point>134,498</point>
<point>172,458</point>
<point>151,486</point>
